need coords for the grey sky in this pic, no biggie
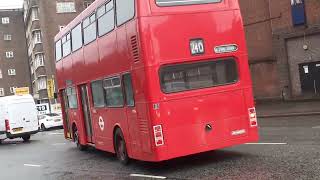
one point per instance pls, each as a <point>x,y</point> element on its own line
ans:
<point>9,4</point>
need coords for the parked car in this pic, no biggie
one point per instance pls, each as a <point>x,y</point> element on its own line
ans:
<point>18,117</point>
<point>50,120</point>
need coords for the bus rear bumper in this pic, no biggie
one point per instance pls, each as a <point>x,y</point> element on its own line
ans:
<point>164,155</point>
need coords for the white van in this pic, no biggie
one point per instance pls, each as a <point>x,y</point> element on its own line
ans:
<point>18,117</point>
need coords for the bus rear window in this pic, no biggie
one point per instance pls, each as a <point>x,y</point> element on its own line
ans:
<point>193,76</point>
<point>184,2</point>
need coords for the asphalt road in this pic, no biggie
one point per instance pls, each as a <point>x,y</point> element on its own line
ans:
<point>294,153</point>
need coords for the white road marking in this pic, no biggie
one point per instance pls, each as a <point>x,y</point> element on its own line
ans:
<point>58,144</point>
<point>148,176</point>
<point>266,143</point>
<point>316,127</point>
<point>32,165</point>
<point>56,133</point>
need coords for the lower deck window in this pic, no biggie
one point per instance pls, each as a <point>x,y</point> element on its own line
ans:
<point>114,95</point>
<point>184,2</point>
<point>200,75</point>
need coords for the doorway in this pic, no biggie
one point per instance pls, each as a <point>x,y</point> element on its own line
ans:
<point>310,78</point>
<point>86,112</point>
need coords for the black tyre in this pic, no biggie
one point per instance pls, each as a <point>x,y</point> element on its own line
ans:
<point>77,141</point>
<point>26,138</point>
<point>120,147</point>
<point>43,127</point>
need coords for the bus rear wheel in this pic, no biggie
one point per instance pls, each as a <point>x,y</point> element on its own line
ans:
<point>77,141</point>
<point>120,147</point>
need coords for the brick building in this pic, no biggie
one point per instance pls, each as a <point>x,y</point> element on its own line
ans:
<point>14,69</point>
<point>43,20</point>
<point>283,39</point>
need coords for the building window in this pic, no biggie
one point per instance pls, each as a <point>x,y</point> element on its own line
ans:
<point>298,12</point>
<point>0,74</point>
<point>42,83</point>
<point>7,37</point>
<point>39,60</point>
<point>11,72</point>
<point>37,37</point>
<point>66,45</point>
<point>125,11</point>
<point>89,29</point>
<point>5,20</point>
<point>105,16</point>
<point>2,92</point>
<point>9,54</point>
<point>86,4</point>
<point>61,27</point>
<point>76,35</point>
<point>35,14</point>
<point>114,95</point>
<point>66,7</point>
<point>32,68</point>
<point>12,89</point>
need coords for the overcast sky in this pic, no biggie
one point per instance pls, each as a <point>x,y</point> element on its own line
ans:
<point>9,4</point>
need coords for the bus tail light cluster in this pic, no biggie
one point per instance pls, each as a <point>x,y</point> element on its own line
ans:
<point>7,125</point>
<point>253,117</point>
<point>158,135</point>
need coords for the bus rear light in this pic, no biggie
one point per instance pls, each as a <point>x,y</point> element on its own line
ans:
<point>7,125</point>
<point>253,117</point>
<point>158,135</point>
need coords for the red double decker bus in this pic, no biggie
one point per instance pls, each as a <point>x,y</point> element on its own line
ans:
<point>156,79</point>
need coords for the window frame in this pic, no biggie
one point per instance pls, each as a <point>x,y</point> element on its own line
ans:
<point>2,92</point>
<point>82,43</point>
<point>12,70</point>
<point>90,23</point>
<point>75,94</point>
<point>6,37</point>
<point>121,87</point>
<point>176,66</point>
<point>104,94</point>
<point>9,54</point>
<point>116,12</point>
<point>114,17</point>
<point>5,20</point>
<point>125,92</point>
<point>55,47</point>
<point>63,3</point>
<point>63,43</point>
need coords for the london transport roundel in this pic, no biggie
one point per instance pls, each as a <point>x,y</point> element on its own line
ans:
<point>101,123</point>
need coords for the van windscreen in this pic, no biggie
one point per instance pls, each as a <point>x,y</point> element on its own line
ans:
<point>164,3</point>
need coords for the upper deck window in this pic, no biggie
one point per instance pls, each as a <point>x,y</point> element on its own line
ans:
<point>125,11</point>
<point>184,2</point>
<point>66,45</point>
<point>58,50</point>
<point>76,35</point>
<point>184,77</point>
<point>89,29</point>
<point>105,15</point>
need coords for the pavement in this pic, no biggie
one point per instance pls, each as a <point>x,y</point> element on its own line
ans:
<point>288,149</point>
<point>287,109</point>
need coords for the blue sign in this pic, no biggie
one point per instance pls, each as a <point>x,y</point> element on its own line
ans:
<point>298,12</point>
